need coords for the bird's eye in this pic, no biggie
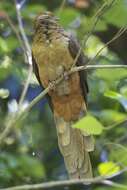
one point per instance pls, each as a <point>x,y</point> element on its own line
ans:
<point>45,22</point>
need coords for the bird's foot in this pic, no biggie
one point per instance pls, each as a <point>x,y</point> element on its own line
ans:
<point>62,72</point>
<point>52,85</point>
<point>65,75</point>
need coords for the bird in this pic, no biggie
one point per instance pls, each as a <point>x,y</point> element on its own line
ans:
<point>54,51</point>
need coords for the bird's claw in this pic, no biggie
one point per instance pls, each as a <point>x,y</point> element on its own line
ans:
<point>52,85</point>
<point>65,75</point>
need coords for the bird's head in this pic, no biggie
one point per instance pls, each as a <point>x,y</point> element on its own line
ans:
<point>46,20</point>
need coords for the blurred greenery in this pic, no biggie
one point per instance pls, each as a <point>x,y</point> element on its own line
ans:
<point>90,125</point>
<point>108,168</point>
<point>30,152</point>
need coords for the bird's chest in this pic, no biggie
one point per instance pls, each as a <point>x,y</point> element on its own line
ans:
<point>52,60</point>
<point>52,57</point>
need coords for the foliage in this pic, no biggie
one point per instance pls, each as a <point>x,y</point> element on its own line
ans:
<point>108,168</point>
<point>89,125</point>
<point>30,153</point>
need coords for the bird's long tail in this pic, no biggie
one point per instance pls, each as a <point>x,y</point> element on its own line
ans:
<point>75,148</point>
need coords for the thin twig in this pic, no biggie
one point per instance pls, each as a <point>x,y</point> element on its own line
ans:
<point>22,97</point>
<point>117,145</point>
<point>21,28</point>
<point>116,36</point>
<point>109,127</point>
<point>120,159</point>
<point>14,29</point>
<point>92,67</point>
<point>61,7</point>
<point>63,183</point>
<point>8,126</point>
<point>114,184</point>
<point>104,7</point>
<point>96,18</point>
<point>101,11</point>
<point>27,51</point>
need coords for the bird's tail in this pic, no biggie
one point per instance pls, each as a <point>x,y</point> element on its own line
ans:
<point>75,148</point>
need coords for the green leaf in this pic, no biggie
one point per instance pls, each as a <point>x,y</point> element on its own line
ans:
<point>90,125</point>
<point>88,23</point>
<point>123,90</point>
<point>109,116</point>
<point>3,45</point>
<point>93,46</point>
<point>101,26</point>
<point>67,16</point>
<point>113,94</point>
<point>4,93</point>
<point>117,96</point>
<point>32,10</point>
<point>108,168</point>
<point>121,155</point>
<point>12,43</point>
<point>111,75</point>
<point>32,166</point>
<point>117,15</point>
<point>5,68</point>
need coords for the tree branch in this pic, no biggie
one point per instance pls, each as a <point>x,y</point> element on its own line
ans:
<point>105,6</point>
<point>116,36</point>
<point>20,115</point>
<point>21,28</point>
<point>73,70</point>
<point>63,183</point>
<point>10,22</point>
<point>27,52</point>
<point>114,184</point>
<point>61,7</point>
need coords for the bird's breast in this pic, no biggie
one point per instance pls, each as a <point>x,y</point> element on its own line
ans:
<point>52,59</point>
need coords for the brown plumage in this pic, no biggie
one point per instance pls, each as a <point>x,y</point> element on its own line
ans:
<point>54,52</point>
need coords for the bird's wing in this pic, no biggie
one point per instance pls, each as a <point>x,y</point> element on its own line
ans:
<point>36,72</point>
<point>35,69</point>
<point>74,49</point>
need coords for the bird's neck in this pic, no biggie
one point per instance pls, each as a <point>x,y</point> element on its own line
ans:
<point>48,34</point>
